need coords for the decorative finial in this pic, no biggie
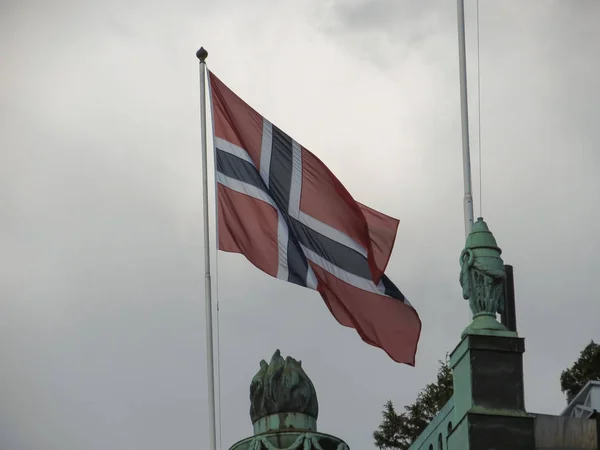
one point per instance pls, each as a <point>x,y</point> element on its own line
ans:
<point>482,278</point>
<point>201,54</point>
<point>284,410</point>
<point>282,391</point>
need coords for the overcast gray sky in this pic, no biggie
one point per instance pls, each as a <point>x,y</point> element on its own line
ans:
<point>102,315</point>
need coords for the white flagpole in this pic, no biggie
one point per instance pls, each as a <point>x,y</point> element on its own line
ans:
<point>212,429</point>
<point>464,109</point>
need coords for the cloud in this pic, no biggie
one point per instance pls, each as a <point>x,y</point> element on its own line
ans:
<point>102,263</point>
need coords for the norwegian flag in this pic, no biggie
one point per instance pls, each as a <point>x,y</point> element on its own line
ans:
<point>281,208</point>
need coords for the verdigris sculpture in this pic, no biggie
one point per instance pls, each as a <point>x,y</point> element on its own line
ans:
<point>282,386</point>
<point>482,277</point>
<point>284,410</point>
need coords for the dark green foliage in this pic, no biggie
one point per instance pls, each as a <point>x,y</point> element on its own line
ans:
<point>585,369</point>
<point>398,431</point>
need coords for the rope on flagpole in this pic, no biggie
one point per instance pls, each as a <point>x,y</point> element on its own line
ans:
<point>216,273</point>
<point>479,118</point>
<point>201,54</point>
<point>218,333</point>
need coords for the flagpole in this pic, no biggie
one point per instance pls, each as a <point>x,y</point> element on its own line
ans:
<point>212,429</point>
<point>464,109</point>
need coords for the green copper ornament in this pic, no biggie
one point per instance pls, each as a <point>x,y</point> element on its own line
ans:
<point>284,410</point>
<point>482,277</point>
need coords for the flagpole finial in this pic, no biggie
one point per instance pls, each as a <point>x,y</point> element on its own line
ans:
<point>201,54</point>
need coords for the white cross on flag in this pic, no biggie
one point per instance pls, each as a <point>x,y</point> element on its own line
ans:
<point>281,208</point>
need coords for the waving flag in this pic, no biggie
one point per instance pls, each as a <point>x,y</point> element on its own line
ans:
<point>281,208</point>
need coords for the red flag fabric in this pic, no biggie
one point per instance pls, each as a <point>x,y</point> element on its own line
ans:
<point>283,209</point>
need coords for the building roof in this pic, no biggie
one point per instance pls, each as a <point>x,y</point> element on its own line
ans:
<point>585,402</point>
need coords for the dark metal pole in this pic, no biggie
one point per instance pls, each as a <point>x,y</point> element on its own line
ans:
<point>509,315</point>
<point>597,429</point>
